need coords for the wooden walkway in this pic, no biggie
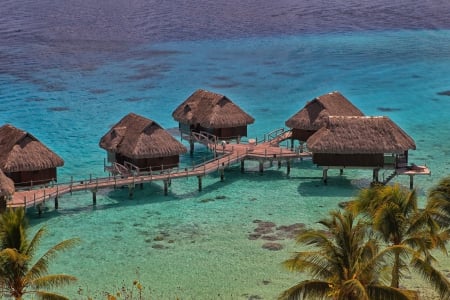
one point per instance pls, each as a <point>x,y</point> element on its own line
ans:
<point>227,155</point>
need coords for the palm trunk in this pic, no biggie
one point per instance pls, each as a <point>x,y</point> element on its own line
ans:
<point>395,281</point>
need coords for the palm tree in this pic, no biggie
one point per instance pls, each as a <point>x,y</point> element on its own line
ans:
<point>394,214</point>
<point>346,263</point>
<point>439,197</point>
<point>18,274</point>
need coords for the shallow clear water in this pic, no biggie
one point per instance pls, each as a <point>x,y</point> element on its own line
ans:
<point>67,77</point>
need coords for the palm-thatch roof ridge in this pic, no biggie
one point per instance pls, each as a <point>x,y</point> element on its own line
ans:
<point>20,151</point>
<point>211,110</point>
<point>6,185</point>
<point>316,112</point>
<point>350,135</point>
<point>138,137</point>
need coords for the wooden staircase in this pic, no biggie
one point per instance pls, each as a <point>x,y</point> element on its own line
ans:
<point>390,177</point>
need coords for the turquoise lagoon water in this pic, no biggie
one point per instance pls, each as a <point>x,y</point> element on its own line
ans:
<point>205,251</point>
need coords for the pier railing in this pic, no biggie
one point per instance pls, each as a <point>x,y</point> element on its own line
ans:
<point>41,194</point>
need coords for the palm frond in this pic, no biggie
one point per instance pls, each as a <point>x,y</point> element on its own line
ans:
<point>433,276</point>
<point>43,295</point>
<point>41,266</point>
<point>308,289</point>
<point>353,289</point>
<point>390,293</point>
<point>13,227</point>
<point>34,243</point>
<point>53,280</point>
<point>312,262</point>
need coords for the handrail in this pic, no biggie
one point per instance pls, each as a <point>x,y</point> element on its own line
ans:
<point>131,167</point>
<point>229,156</point>
<point>274,134</point>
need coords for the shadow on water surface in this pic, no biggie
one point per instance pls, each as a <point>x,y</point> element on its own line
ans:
<point>337,186</point>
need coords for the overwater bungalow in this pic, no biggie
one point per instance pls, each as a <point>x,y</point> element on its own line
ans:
<point>24,159</point>
<point>316,112</point>
<point>7,189</point>
<point>210,113</point>
<point>138,142</point>
<point>360,142</point>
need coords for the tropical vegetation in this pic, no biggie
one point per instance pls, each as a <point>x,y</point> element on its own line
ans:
<point>367,250</point>
<point>346,263</point>
<point>20,272</point>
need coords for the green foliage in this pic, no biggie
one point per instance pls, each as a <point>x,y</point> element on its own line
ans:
<point>345,262</point>
<point>350,259</point>
<point>18,274</point>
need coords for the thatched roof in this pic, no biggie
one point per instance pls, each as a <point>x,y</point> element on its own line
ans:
<point>6,185</point>
<point>20,151</point>
<point>360,135</point>
<point>137,137</point>
<point>211,110</point>
<point>316,112</point>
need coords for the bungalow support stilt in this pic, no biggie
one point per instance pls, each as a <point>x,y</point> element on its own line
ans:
<point>56,202</point>
<point>166,187</point>
<point>130,191</point>
<point>242,166</point>
<point>341,172</point>
<point>411,182</point>
<point>375,175</point>
<point>94,197</point>
<point>222,172</point>
<point>199,183</point>
<point>301,150</point>
<point>325,175</point>
<point>191,147</point>
<point>261,166</point>
<point>279,164</point>
<point>288,167</point>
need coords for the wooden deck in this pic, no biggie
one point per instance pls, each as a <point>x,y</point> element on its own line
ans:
<point>228,155</point>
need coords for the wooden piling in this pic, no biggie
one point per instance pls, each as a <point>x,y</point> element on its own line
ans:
<point>261,166</point>
<point>130,191</point>
<point>325,175</point>
<point>199,183</point>
<point>94,197</point>
<point>191,147</point>
<point>222,172</point>
<point>56,202</point>
<point>375,175</point>
<point>242,166</point>
<point>411,182</point>
<point>166,187</point>
<point>288,166</point>
<point>341,172</point>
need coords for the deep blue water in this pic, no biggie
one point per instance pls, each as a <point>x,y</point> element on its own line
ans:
<point>74,34</point>
<point>71,69</point>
